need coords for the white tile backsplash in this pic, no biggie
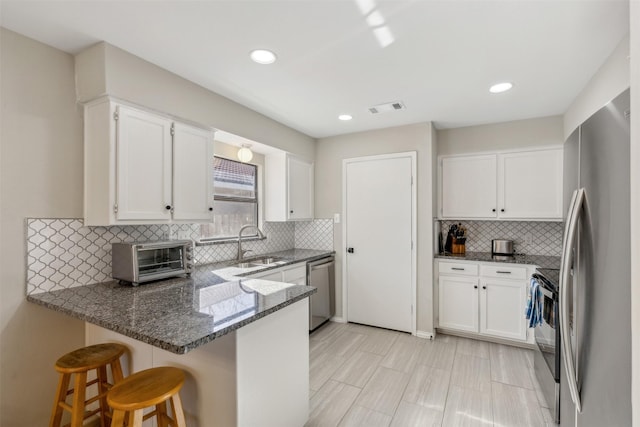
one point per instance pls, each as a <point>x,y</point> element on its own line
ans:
<point>63,253</point>
<point>546,237</point>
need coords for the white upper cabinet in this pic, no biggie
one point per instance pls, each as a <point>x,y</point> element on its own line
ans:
<point>288,188</point>
<point>469,186</point>
<point>531,185</point>
<point>514,185</point>
<point>192,173</point>
<point>142,167</point>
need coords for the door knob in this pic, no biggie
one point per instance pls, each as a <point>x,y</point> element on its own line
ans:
<point>350,250</point>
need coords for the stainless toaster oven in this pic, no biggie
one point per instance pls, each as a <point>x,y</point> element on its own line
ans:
<point>140,262</point>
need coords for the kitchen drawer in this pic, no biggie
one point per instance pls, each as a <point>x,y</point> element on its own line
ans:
<point>503,271</point>
<point>458,268</point>
<point>293,274</point>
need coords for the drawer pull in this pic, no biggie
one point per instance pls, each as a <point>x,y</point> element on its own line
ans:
<point>457,268</point>
<point>503,272</point>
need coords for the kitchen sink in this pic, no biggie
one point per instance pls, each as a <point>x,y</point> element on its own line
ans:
<point>260,261</point>
<point>265,261</point>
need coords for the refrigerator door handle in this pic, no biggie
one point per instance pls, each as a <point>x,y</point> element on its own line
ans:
<point>571,227</point>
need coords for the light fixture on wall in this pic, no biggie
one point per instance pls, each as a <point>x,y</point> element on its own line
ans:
<point>245,154</point>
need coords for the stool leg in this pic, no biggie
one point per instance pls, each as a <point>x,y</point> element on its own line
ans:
<point>135,418</point>
<point>178,413</point>
<point>116,371</point>
<point>161,414</point>
<point>118,418</point>
<point>102,392</point>
<point>61,395</point>
<point>79,392</point>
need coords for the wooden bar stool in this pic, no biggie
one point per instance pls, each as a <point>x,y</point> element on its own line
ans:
<point>144,389</point>
<point>79,362</point>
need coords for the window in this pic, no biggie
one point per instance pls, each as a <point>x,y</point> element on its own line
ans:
<point>235,192</point>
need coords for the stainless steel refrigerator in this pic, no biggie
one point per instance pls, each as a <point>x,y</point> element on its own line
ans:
<point>595,276</point>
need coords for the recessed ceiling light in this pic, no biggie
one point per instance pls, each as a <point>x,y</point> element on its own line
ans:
<point>263,56</point>
<point>500,87</point>
<point>344,117</point>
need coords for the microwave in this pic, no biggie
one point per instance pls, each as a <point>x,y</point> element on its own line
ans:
<point>139,262</point>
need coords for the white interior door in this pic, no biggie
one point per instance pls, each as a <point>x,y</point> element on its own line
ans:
<point>379,204</point>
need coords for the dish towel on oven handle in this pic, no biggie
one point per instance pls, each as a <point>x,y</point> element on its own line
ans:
<point>534,304</point>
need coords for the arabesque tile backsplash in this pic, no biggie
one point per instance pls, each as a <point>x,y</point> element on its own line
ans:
<point>546,237</point>
<point>63,253</point>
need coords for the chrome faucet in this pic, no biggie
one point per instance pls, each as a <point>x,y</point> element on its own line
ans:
<point>240,251</point>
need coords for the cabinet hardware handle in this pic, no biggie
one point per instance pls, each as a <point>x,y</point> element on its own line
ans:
<point>210,209</point>
<point>475,286</point>
<point>350,250</point>
<point>484,287</point>
<point>503,272</point>
<point>291,211</point>
<point>502,210</point>
<point>168,207</point>
<point>493,210</point>
<point>457,268</point>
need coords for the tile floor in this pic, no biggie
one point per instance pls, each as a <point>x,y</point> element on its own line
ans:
<point>364,376</point>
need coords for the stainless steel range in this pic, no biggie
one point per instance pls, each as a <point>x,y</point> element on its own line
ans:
<point>547,355</point>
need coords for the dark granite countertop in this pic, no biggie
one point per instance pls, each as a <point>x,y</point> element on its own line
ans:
<point>180,314</point>
<point>541,261</point>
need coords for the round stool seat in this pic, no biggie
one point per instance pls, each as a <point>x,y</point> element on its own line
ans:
<point>77,365</point>
<point>146,388</point>
<point>87,358</point>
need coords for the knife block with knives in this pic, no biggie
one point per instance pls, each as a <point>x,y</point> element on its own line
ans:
<point>456,239</point>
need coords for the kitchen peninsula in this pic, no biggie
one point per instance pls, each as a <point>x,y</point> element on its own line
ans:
<point>244,342</point>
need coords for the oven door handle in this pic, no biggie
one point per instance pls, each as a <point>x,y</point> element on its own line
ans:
<point>546,292</point>
<point>575,211</point>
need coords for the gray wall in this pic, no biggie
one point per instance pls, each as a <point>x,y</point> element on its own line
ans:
<point>502,136</point>
<point>328,197</point>
<point>40,175</point>
<point>105,69</point>
<point>609,81</point>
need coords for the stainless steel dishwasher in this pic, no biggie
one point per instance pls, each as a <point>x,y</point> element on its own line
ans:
<point>321,275</point>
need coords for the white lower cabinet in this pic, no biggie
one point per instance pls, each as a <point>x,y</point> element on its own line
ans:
<point>502,304</point>
<point>294,273</point>
<point>485,299</point>
<point>459,303</point>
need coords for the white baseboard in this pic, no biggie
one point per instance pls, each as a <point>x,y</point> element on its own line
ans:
<point>338,319</point>
<point>425,335</point>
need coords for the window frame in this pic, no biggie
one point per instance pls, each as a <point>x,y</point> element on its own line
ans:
<point>256,200</point>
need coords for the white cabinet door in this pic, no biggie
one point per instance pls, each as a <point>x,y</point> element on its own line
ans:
<point>192,174</point>
<point>530,185</point>
<point>300,182</point>
<point>458,303</point>
<point>137,172</point>
<point>143,177</point>
<point>288,188</point>
<point>295,273</point>
<point>502,304</point>
<point>469,187</point>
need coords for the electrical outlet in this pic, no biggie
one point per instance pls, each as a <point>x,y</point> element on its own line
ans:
<point>528,239</point>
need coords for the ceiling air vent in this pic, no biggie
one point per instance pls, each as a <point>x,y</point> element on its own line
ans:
<point>385,108</point>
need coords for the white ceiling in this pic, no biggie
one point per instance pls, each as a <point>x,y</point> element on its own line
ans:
<point>444,56</point>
